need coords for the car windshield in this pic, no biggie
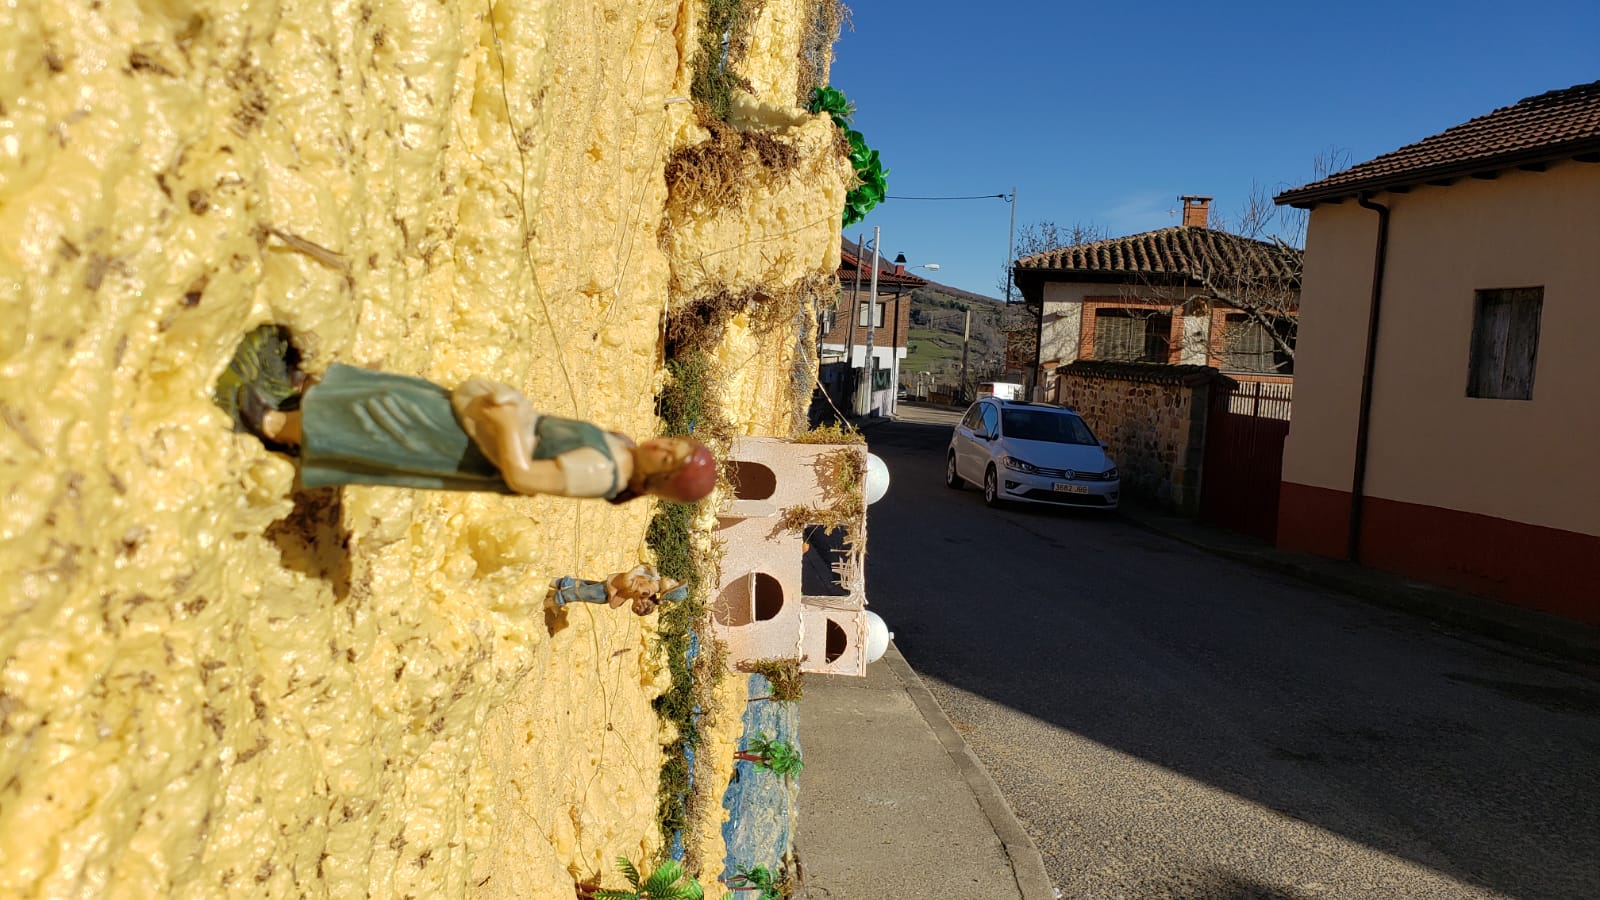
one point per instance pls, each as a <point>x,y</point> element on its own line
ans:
<point>1042,425</point>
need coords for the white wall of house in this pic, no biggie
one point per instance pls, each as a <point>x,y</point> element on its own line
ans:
<point>883,359</point>
<point>1196,340</point>
<point>1531,461</point>
<point>1064,321</point>
<point>1063,318</point>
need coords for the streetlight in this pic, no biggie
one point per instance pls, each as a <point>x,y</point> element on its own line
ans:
<point>894,393</point>
<point>864,391</point>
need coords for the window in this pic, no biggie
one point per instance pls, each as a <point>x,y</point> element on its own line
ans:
<point>880,379</point>
<point>1128,335</point>
<point>1043,425</point>
<point>1247,346</point>
<point>991,420</point>
<point>1505,343</point>
<point>753,481</point>
<point>973,421</point>
<point>877,314</point>
<point>826,546</point>
<point>768,594</point>
<point>836,642</point>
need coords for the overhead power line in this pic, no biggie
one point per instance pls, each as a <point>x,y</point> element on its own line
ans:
<point>972,197</point>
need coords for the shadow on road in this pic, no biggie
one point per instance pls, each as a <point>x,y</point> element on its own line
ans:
<point>1470,761</point>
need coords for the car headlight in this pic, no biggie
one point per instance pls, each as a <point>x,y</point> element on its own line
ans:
<point>1013,463</point>
<point>1110,474</point>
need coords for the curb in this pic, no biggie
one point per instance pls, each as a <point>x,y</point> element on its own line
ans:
<point>1527,628</point>
<point>1027,865</point>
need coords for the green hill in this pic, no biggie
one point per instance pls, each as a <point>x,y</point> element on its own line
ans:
<point>938,315</point>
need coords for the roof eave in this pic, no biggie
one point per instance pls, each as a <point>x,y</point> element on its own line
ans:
<point>1098,276</point>
<point>885,279</point>
<point>1309,196</point>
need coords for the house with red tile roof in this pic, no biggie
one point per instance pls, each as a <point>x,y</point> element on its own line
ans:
<point>884,322</point>
<point>1186,295</point>
<point>1446,424</point>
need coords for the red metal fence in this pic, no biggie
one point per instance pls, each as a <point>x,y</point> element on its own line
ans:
<point>1243,468</point>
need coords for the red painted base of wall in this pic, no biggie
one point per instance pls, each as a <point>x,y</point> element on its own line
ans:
<point>1529,565</point>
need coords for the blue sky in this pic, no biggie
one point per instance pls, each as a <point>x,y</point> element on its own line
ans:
<point>1106,112</point>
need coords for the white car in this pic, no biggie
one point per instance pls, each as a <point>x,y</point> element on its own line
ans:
<point>1031,453</point>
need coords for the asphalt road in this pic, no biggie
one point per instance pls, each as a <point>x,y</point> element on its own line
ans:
<point>1169,724</point>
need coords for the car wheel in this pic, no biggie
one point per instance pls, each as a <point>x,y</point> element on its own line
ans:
<point>991,487</point>
<point>951,479</point>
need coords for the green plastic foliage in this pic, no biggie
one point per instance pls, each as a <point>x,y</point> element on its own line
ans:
<point>760,879</point>
<point>871,177</point>
<point>667,882</point>
<point>776,756</point>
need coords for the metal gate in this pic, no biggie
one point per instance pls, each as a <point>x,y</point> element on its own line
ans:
<point>1243,465</point>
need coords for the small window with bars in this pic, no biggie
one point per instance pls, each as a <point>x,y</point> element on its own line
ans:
<point>1247,346</point>
<point>877,314</point>
<point>1505,343</point>
<point>1129,335</point>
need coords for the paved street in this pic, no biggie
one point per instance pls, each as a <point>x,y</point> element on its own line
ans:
<point>1169,724</point>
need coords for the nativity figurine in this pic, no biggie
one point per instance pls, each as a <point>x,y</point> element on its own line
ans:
<point>641,587</point>
<point>360,426</point>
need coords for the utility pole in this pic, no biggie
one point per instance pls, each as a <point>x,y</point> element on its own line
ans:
<point>865,406</point>
<point>966,335</point>
<point>855,310</point>
<point>1032,378</point>
<point>1011,243</point>
<point>893,401</point>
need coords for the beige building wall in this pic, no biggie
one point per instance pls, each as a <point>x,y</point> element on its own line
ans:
<point>1337,285</point>
<point>1528,461</point>
<point>1063,318</point>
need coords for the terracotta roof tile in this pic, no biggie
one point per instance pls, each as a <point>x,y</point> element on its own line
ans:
<point>1182,250</point>
<point>1552,126</point>
<point>886,274</point>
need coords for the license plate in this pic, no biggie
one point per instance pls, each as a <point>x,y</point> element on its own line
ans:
<point>1071,489</point>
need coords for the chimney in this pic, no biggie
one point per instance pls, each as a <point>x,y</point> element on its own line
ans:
<point>1196,210</point>
<point>900,264</point>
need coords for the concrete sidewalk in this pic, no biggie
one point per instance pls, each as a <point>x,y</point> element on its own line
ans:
<point>1451,609</point>
<point>893,804</point>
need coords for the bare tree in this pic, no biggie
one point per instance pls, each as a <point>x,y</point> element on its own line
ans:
<point>1262,281</point>
<point>1265,285</point>
<point>1247,276</point>
<point>1021,327</point>
<point>1037,237</point>
<point>1254,273</point>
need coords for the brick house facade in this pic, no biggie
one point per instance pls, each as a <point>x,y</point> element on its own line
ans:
<point>1151,298</point>
<point>843,335</point>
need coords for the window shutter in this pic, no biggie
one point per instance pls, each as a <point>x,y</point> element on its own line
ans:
<point>1505,343</point>
<point>1522,344</point>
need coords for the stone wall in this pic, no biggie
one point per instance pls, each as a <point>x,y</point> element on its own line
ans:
<point>1153,420</point>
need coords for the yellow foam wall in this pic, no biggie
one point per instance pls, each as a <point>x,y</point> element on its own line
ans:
<point>211,685</point>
